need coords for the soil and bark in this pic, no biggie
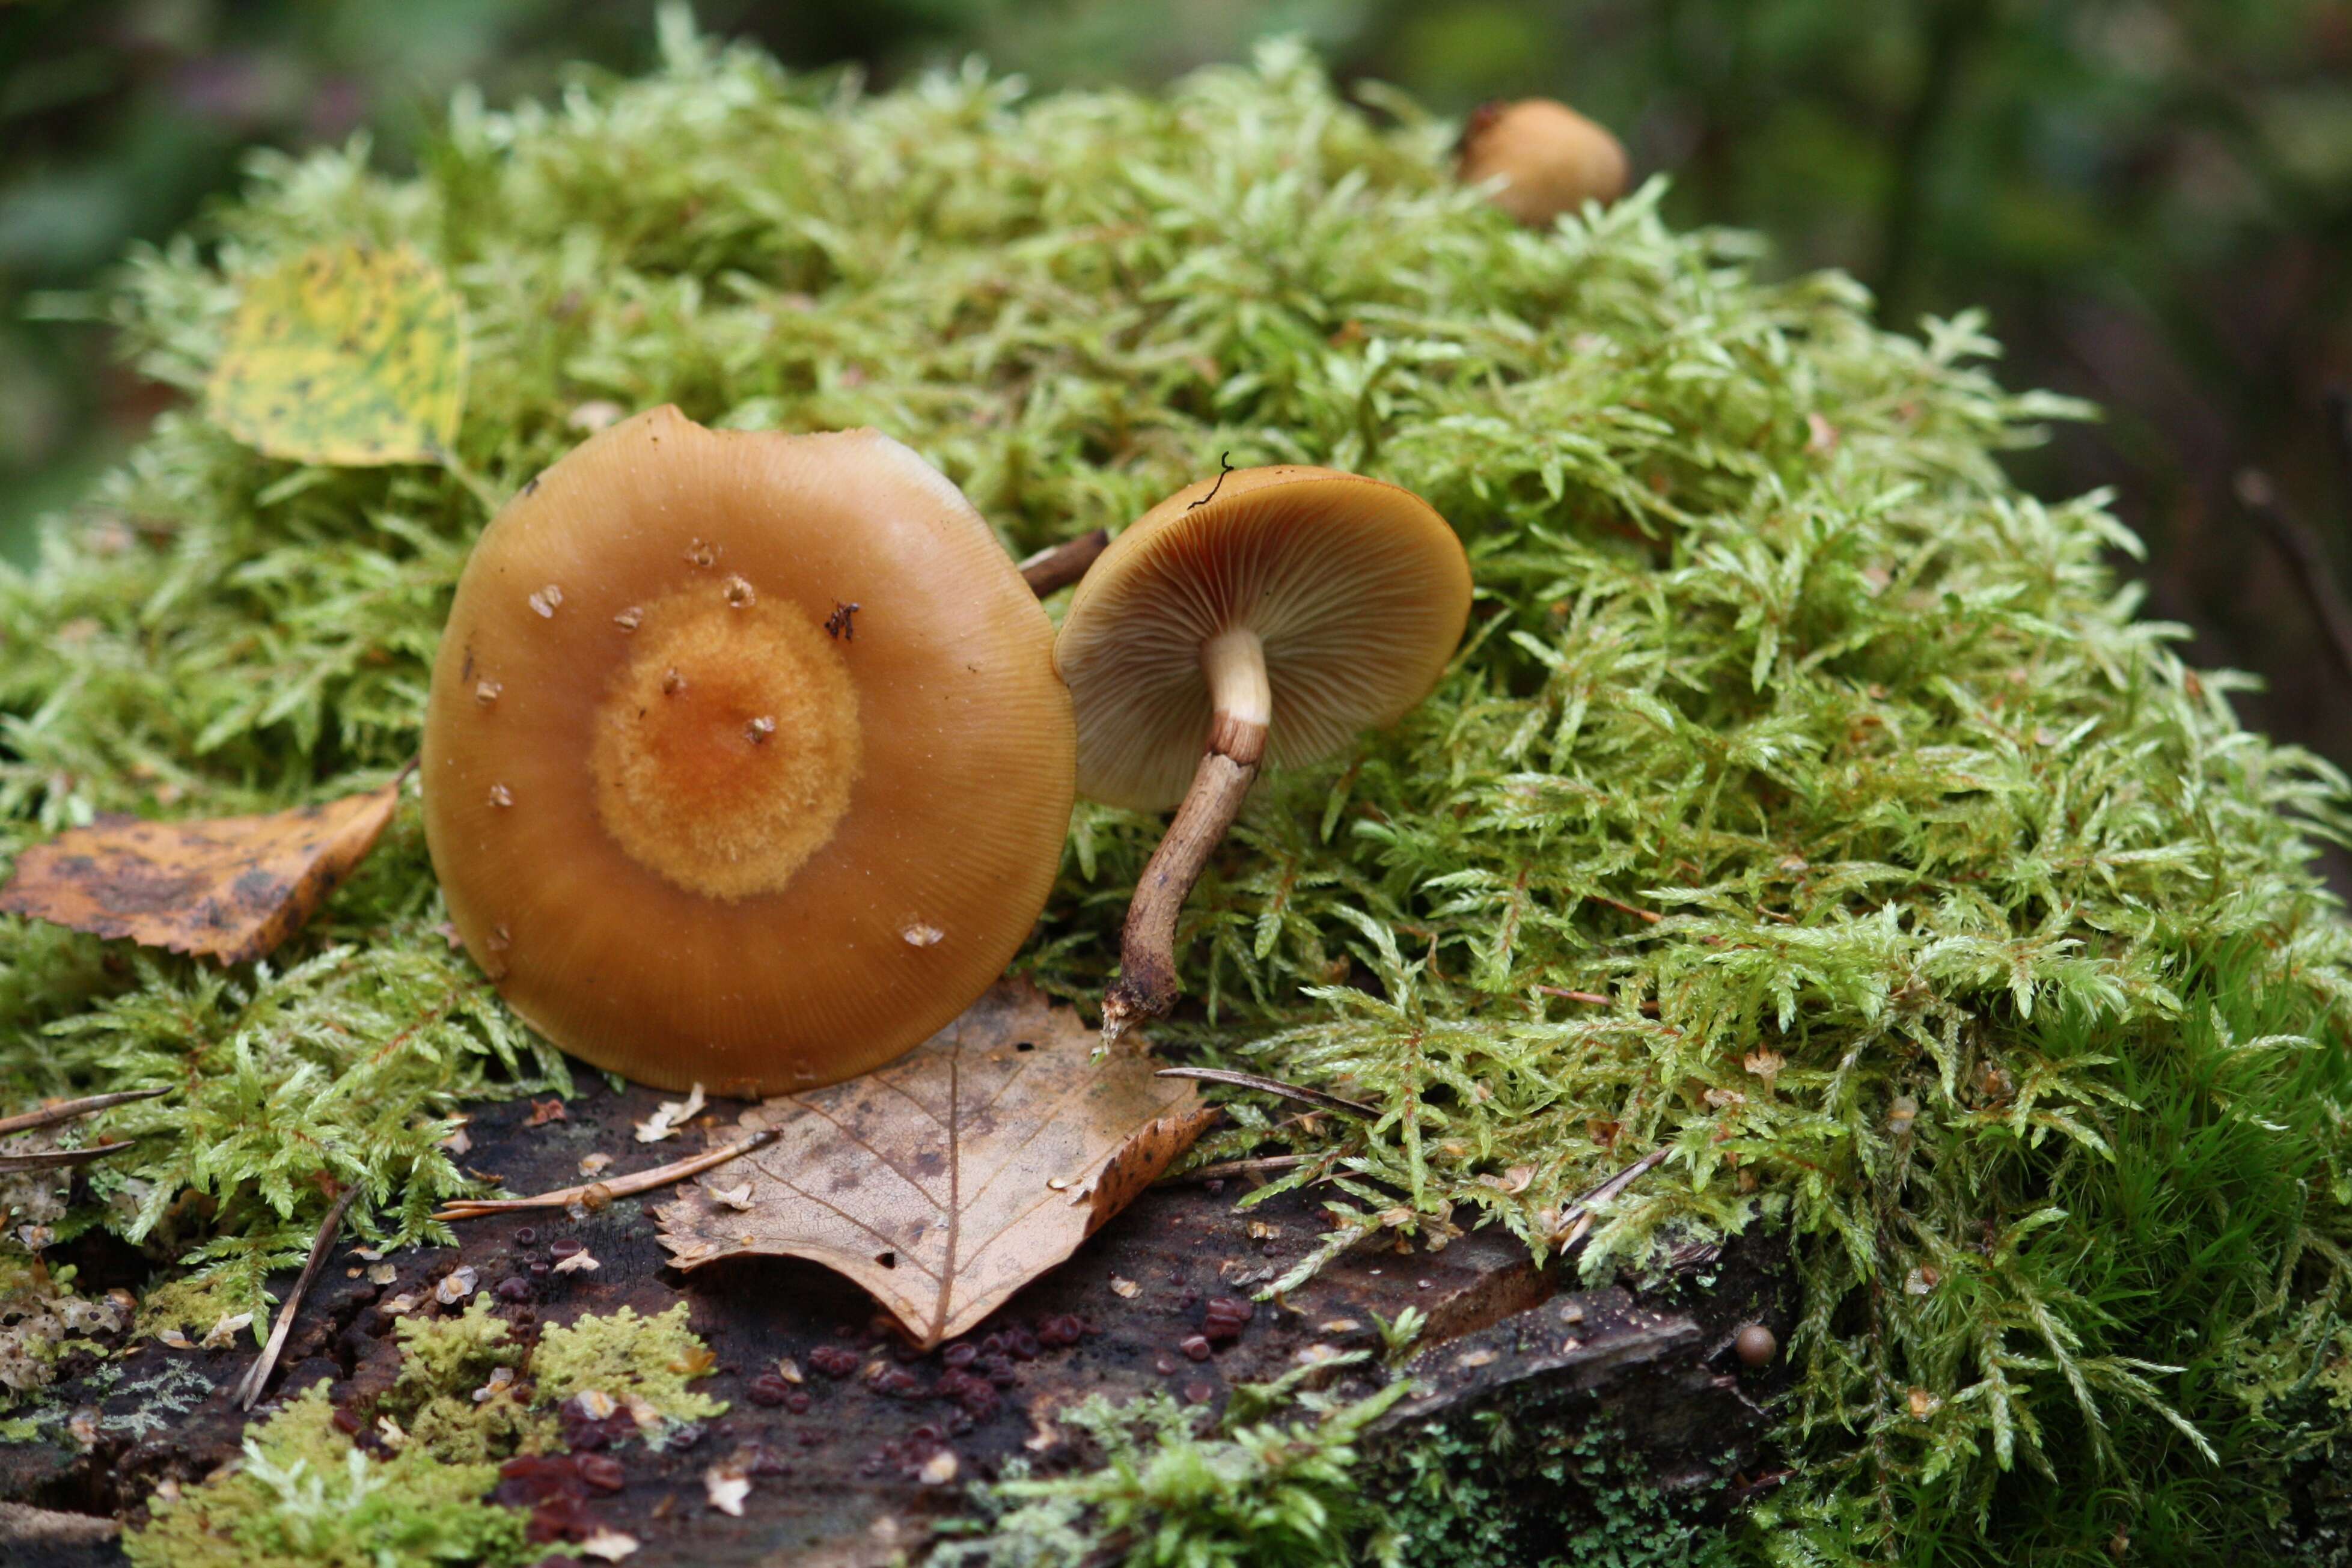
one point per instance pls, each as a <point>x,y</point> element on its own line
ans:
<point>1652,1370</point>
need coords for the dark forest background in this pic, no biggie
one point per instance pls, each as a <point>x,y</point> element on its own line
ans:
<point>2152,201</point>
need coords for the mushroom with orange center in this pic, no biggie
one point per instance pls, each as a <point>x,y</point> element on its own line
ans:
<point>745,762</point>
<point>1550,159</point>
<point>1264,616</point>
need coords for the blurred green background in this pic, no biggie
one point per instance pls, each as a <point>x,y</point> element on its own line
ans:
<point>2151,199</point>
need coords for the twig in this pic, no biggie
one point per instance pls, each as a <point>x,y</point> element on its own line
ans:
<point>249,1390</point>
<point>57,1159</point>
<point>1243,1167</point>
<point>1625,1178</point>
<point>1576,1219</point>
<point>2308,559</point>
<point>1058,566</point>
<point>67,1110</point>
<point>1224,467</point>
<point>1652,916</point>
<point>1647,1010</point>
<point>620,1186</point>
<point>1272,1086</point>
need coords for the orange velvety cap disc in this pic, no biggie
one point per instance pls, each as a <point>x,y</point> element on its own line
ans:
<point>745,762</point>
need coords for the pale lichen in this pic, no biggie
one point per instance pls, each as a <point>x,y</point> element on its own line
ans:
<point>42,1318</point>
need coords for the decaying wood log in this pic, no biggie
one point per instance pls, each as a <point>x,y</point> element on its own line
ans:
<point>1650,1372</point>
<point>48,1538</point>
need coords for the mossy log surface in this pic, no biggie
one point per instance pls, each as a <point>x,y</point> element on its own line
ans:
<point>1648,1372</point>
<point>1807,802</point>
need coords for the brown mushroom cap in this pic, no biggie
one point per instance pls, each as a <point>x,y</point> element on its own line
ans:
<point>1553,160</point>
<point>1358,589</point>
<point>745,761</point>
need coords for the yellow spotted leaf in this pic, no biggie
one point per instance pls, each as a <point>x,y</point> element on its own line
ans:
<point>232,888</point>
<point>946,1181</point>
<point>345,355</point>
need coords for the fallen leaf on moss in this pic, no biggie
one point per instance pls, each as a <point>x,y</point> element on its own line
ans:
<point>345,355</point>
<point>229,887</point>
<point>948,1179</point>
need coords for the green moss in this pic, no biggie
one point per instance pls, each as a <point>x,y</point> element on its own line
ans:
<point>304,1497</point>
<point>1846,770</point>
<point>1174,1491</point>
<point>305,1494</point>
<point>450,1353</point>
<point>655,1359</point>
<point>1487,1493</point>
<point>190,1305</point>
<point>450,1398</point>
<point>1286,1479</point>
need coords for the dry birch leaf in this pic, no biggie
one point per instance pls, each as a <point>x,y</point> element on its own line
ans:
<point>229,887</point>
<point>948,1179</point>
<point>345,355</point>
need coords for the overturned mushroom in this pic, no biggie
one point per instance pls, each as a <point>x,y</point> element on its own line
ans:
<point>1265,616</point>
<point>1550,159</point>
<point>745,761</point>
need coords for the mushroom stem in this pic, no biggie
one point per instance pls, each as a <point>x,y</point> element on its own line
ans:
<point>1058,566</point>
<point>1241,706</point>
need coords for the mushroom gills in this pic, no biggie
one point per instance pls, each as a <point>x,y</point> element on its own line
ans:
<point>1329,599</point>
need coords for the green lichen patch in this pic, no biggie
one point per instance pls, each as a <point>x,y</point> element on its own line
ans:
<point>304,1497</point>
<point>627,1358</point>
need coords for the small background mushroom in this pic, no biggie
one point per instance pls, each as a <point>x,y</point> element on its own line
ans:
<point>1265,616</point>
<point>1550,159</point>
<point>745,760</point>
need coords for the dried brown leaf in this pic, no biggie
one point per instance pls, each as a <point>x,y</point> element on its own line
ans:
<point>230,887</point>
<point>948,1179</point>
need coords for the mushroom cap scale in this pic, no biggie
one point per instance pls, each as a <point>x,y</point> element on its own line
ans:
<point>1358,590</point>
<point>701,819</point>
